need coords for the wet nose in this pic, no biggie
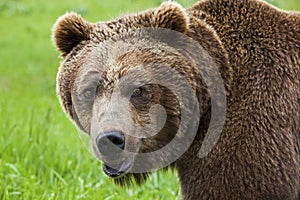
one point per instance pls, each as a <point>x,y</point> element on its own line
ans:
<point>108,141</point>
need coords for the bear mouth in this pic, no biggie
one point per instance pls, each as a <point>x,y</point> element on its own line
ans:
<point>117,170</point>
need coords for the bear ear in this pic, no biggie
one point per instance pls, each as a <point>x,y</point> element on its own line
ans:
<point>172,16</point>
<point>68,31</point>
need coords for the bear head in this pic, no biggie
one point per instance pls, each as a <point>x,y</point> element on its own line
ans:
<point>139,85</point>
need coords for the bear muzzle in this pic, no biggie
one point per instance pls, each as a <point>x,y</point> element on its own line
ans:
<point>118,169</point>
<point>111,145</point>
<point>107,141</point>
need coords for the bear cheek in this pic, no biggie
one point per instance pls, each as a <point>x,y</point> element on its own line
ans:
<point>82,114</point>
<point>82,119</point>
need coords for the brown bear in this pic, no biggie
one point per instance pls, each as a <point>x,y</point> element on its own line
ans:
<point>255,48</point>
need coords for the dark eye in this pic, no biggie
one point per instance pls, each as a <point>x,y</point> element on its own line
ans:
<point>89,94</point>
<point>141,96</point>
<point>136,92</point>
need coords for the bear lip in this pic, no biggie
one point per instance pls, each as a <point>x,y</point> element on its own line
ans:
<point>116,173</point>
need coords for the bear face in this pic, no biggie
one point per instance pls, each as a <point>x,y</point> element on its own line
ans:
<point>110,83</point>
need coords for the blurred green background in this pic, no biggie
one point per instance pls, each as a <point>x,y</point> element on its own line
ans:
<point>41,155</point>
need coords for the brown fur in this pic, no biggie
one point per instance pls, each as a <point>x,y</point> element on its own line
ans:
<point>257,50</point>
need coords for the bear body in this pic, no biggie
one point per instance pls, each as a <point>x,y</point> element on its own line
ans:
<point>256,48</point>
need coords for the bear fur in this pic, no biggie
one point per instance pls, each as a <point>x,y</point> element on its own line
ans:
<point>256,48</point>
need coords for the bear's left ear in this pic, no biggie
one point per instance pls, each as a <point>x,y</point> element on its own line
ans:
<point>172,16</point>
<point>68,31</point>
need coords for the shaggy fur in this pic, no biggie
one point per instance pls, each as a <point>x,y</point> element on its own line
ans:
<point>256,48</point>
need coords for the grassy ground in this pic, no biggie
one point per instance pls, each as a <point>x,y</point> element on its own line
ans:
<point>41,155</point>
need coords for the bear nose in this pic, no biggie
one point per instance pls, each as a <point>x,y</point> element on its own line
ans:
<point>108,141</point>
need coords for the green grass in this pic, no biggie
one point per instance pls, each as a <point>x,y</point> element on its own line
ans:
<point>41,155</point>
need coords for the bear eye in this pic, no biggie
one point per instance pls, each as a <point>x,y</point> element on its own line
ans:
<point>140,96</point>
<point>89,94</point>
<point>136,92</point>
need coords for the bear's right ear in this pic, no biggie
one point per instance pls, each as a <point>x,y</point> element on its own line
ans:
<point>68,31</point>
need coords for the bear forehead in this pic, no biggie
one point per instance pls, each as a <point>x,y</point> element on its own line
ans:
<point>117,55</point>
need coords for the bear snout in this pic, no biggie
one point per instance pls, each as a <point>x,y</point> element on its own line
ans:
<point>108,141</point>
<point>111,145</point>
